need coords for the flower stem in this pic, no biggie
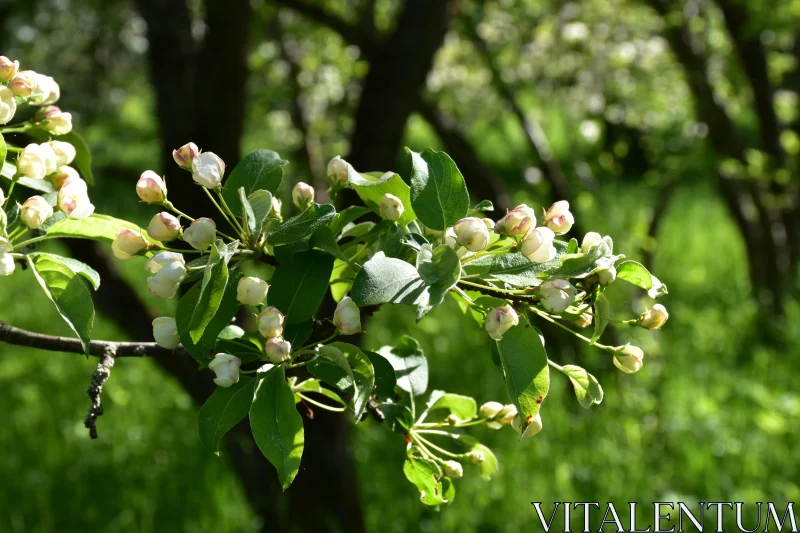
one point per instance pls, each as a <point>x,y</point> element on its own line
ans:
<point>238,226</point>
<point>507,291</point>
<point>31,241</point>
<point>224,215</point>
<point>437,448</point>
<point>321,405</point>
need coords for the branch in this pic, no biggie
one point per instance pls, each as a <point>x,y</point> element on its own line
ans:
<point>353,34</point>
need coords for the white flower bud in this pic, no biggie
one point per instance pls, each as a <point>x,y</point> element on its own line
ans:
<point>276,207</point>
<point>654,318</point>
<point>61,175</point>
<point>200,233</point>
<point>8,69</point>
<point>278,350</point>
<point>165,332</point>
<point>164,227</point>
<point>73,199</point>
<point>35,211</point>
<point>391,207</point>
<point>338,170</point>
<point>169,269</point>
<point>347,317</point>
<point>472,234</point>
<point>127,244</point>
<point>31,162</point>
<point>226,367</point>
<point>475,457</point>
<point>50,159</point>
<point>5,246</point>
<point>151,187</point>
<point>537,245</point>
<point>184,155</point>
<point>270,322</point>
<point>2,197</point>
<point>45,92</point>
<point>450,238</point>
<point>55,121</point>
<point>65,152</point>
<point>453,469</point>
<point>628,358</point>
<point>208,169</point>
<point>23,83</point>
<point>607,276</point>
<point>452,419</point>
<point>7,265</point>
<point>506,416</point>
<point>8,105</point>
<point>590,239</point>
<point>489,410</point>
<point>499,320</point>
<point>517,222</point>
<point>157,263</point>
<point>583,321</point>
<point>556,295</point>
<point>488,222</point>
<point>533,428</point>
<point>302,195</point>
<point>251,291</point>
<point>558,217</point>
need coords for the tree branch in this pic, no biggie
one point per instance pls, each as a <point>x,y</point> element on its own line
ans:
<point>353,34</point>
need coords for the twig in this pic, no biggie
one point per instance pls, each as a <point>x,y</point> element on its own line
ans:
<point>99,378</point>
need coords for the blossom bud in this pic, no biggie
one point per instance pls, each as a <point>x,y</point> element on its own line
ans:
<point>31,162</point>
<point>607,276</point>
<point>278,350</point>
<point>50,159</point>
<point>73,199</point>
<point>5,246</point>
<point>391,207</point>
<point>165,332</point>
<point>157,263</point>
<point>490,409</point>
<point>302,195</point>
<point>583,321</point>
<point>208,169</point>
<point>488,222</point>
<point>270,322</point>
<point>35,211</point>
<point>184,155</point>
<point>533,428</point>
<point>347,317</point>
<point>61,175</point>
<point>169,269</point>
<point>507,414</point>
<point>628,358</point>
<point>517,222</point>
<point>556,295</point>
<point>8,105</point>
<point>164,227</point>
<point>7,265</point>
<point>338,170</point>
<point>450,238</point>
<point>8,69</point>
<point>226,367</point>
<point>200,233</point>
<point>499,320</point>
<point>476,457</point>
<point>23,83</point>
<point>537,245</point>
<point>472,234</point>
<point>453,469</point>
<point>2,197</point>
<point>46,91</point>
<point>590,239</point>
<point>654,318</point>
<point>58,123</point>
<point>151,187</point>
<point>276,207</point>
<point>558,218</point>
<point>65,152</point>
<point>452,420</point>
<point>127,244</point>
<point>251,291</point>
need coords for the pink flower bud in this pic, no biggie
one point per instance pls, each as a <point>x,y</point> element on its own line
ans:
<point>73,199</point>
<point>56,122</point>
<point>453,469</point>
<point>61,175</point>
<point>391,207</point>
<point>226,368</point>
<point>556,295</point>
<point>270,322</point>
<point>517,222</point>
<point>184,155</point>
<point>127,244</point>
<point>338,170</point>
<point>165,332</point>
<point>8,105</point>
<point>628,358</point>
<point>589,240</point>
<point>151,187</point>
<point>65,152</point>
<point>7,265</point>
<point>499,320</point>
<point>8,69</point>
<point>278,350</point>
<point>533,428</point>
<point>23,83</point>
<point>537,245</point>
<point>200,233</point>
<point>347,317</point>
<point>164,227</point>
<point>472,234</point>
<point>558,217</point>
<point>302,195</point>
<point>654,318</point>
<point>251,291</point>
<point>35,211</point>
<point>208,169</point>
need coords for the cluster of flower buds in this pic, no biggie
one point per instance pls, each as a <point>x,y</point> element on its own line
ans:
<point>270,326</point>
<point>497,415</point>
<point>347,317</point>
<point>32,88</point>
<point>226,368</point>
<point>499,320</point>
<point>606,276</point>
<point>207,169</point>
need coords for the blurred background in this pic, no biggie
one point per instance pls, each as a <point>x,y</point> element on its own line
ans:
<point>672,126</point>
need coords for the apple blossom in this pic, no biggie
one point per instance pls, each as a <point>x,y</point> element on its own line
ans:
<point>558,218</point>
<point>165,332</point>
<point>278,350</point>
<point>151,188</point>
<point>8,69</point>
<point>34,211</point>
<point>472,234</point>
<point>590,239</point>
<point>164,227</point>
<point>208,169</point>
<point>607,276</point>
<point>31,162</point>
<point>73,199</point>
<point>490,409</point>
<point>251,291</point>
<point>391,207</point>
<point>517,222</point>
<point>556,295</point>
<point>338,170</point>
<point>499,320</point>
<point>628,358</point>
<point>270,322</point>
<point>533,428</point>
<point>23,83</point>
<point>200,233</point>
<point>537,245</point>
<point>654,318</point>
<point>127,244</point>
<point>8,105</point>
<point>453,469</point>
<point>184,155</point>
<point>169,269</point>
<point>226,368</point>
<point>7,265</point>
<point>302,195</point>
<point>61,175</point>
<point>347,317</point>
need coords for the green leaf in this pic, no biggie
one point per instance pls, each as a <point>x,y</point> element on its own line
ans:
<point>276,424</point>
<point>514,268</point>
<point>244,349</point>
<point>67,292</point>
<point>410,365</point>
<point>398,416</point>
<point>467,443</point>
<point>587,388</point>
<point>363,375</point>
<point>438,191</point>
<point>261,204</point>
<point>9,170</point>
<point>212,289</point>
<point>324,240</point>
<point>525,367</point>
<point>484,205</point>
<point>97,227</point>
<point>373,185</point>
<point>297,334</point>
<point>299,284</point>
<point>83,156</point>
<point>598,257</point>
<point>636,273</point>
<point>463,407</point>
<point>333,368</point>
<point>262,169</point>
<point>73,264</point>
<point>225,408</point>
<point>602,312</point>
<point>572,246</point>
<point>302,225</point>
<point>248,216</point>
<point>346,216</point>
<point>385,379</point>
<point>427,477</point>
<point>313,385</point>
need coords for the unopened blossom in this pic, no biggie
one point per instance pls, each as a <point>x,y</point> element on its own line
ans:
<point>628,358</point>
<point>169,269</point>
<point>338,170</point>
<point>276,207</point>
<point>23,83</point>
<point>31,162</point>
<point>607,276</point>
<point>490,409</point>
<point>208,169</point>
<point>556,295</point>
<point>270,322</point>
<point>164,227</point>
<point>50,159</point>
<point>302,195</point>
<point>226,368</point>
<point>34,211</point>
<point>65,152</point>
<point>537,245</point>
<point>583,321</point>
<point>127,244</point>
<point>61,175</point>
<point>499,320</point>
<point>391,207</point>
<point>151,188</point>
<point>5,246</point>
<point>251,291</point>
<point>200,233</point>
<point>453,469</point>
<point>73,199</point>
<point>488,222</point>
<point>472,234</point>
<point>533,428</point>
<point>559,218</point>
<point>184,155</point>
<point>476,457</point>
<point>517,222</point>
<point>46,91</point>
<point>590,239</point>
<point>8,105</point>
<point>56,121</point>
<point>278,350</point>
<point>347,317</point>
<point>7,265</point>
<point>165,332</point>
<point>8,69</point>
<point>654,318</point>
